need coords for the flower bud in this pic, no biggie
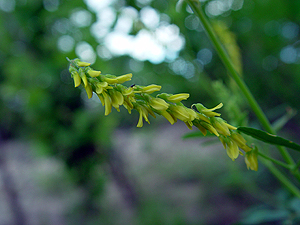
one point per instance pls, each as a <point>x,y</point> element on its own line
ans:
<point>117,99</point>
<point>168,116</point>
<point>83,77</point>
<point>89,90</point>
<point>232,150</point>
<point>209,127</point>
<point>94,73</point>
<point>158,104</point>
<point>251,160</point>
<point>76,78</point>
<point>101,86</point>
<point>82,64</point>
<point>123,78</point>
<point>107,103</point>
<point>179,112</point>
<point>178,97</point>
<point>151,88</point>
<point>241,142</point>
<point>220,126</point>
<point>206,111</point>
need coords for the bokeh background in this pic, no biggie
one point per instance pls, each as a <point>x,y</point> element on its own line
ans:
<point>63,162</point>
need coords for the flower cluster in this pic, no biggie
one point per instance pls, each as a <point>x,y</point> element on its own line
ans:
<point>112,93</point>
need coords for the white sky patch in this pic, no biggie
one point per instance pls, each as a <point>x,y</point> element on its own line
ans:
<point>147,47</point>
<point>105,19</point>
<point>81,18</point>
<point>118,43</point>
<point>97,5</point>
<point>85,52</point>
<point>149,17</point>
<point>65,43</point>
<point>158,41</point>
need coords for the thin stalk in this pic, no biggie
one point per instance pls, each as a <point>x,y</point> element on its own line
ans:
<point>196,7</point>
<point>287,166</point>
<point>296,166</point>
<point>281,177</point>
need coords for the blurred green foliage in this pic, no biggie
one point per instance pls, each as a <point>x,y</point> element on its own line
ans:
<point>39,103</point>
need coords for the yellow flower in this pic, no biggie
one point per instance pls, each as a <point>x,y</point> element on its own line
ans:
<point>220,125</point>
<point>76,77</point>
<point>148,89</point>
<point>101,86</point>
<point>110,80</point>
<point>158,104</point>
<point>206,111</point>
<point>117,99</point>
<point>232,150</point>
<point>202,117</point>
<point>201,128</point>
<point>93,73</point>
<point>89,90</point>
<point>83,77</point>
<point>174,98</point>
<point>107,103</point>
<point>168,116</point>
<point>123,78</point>
<point>251,160</point>
<point>184,114</point>
<point>179,112</point>
<point>178,97</point>
<point>241,142</point>
<point>82,63</point>
<point>143,114</point>
<point>209,127</point>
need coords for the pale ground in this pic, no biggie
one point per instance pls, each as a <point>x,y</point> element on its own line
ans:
<point>169,174</point>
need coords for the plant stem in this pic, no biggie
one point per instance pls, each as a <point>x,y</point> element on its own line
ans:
<point>287,166</point>
<point>196,7</point>
<point>281,177</point>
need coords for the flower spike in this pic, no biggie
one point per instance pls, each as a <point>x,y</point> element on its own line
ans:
<point>112,93</point>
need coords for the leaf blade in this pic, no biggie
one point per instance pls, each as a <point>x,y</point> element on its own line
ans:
<point>269,138</point>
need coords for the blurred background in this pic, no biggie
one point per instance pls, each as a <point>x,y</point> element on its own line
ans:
<point>63,162</point>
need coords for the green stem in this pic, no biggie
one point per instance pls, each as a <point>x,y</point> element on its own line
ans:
<point>296,166</point>
<point>196,7</point>
<point>281,177</point>
<point>287,166</point>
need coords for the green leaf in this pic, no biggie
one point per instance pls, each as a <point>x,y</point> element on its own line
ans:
<point>268,138</point>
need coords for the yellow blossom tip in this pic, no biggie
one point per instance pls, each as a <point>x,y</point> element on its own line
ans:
<point>178,97</point>
<point>94,73</point>
<point>151,88</point>
<point>89,90</point>
<point>83,64</point>
<point>76,77</point>
<point>124,78</point>
<point>158,104</point>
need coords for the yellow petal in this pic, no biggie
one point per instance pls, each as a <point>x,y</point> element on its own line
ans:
<point>158,104</point>
<point>178,97</point>
<point>151,88</point>
<point>123,78</point>
<point>94,73</point>
<point>76,77</point>
<point>83,64</point>
<point>168,116</point>
<point>89,90</point>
